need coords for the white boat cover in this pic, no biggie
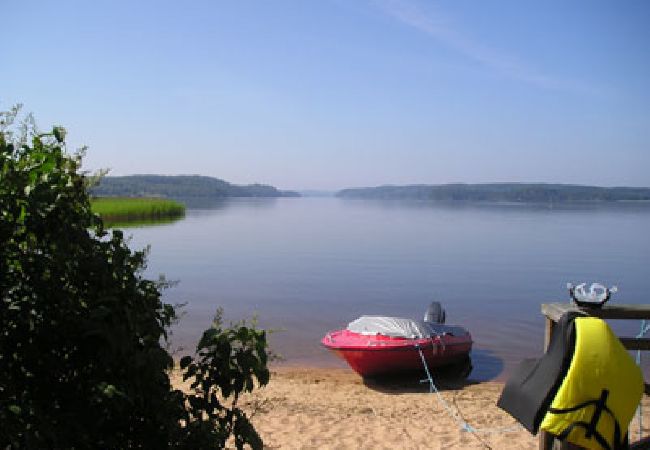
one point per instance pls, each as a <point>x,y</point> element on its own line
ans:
<point>399,327</point>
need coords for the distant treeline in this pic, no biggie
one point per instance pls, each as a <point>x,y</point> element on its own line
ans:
<point>181,186</point>
<point>501,192</point>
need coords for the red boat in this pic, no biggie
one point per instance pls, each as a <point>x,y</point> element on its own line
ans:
<point>379,345</point>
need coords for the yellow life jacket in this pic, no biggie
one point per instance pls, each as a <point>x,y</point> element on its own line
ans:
<point>600,392</point>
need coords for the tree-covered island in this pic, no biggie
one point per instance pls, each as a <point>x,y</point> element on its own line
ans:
<point>501,192</point>
<point>181,186</point>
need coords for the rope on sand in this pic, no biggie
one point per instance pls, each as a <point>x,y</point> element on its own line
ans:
<point>455,414</point>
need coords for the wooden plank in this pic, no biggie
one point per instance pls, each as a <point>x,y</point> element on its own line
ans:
<point>545,441</point>
<point>548,442</point>
<point>555,310</point>
<point>548,332</point>
<point>636,344</point>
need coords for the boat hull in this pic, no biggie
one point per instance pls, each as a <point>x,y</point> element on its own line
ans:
<point>378,355</point>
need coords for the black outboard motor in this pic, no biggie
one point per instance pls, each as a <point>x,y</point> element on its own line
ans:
<point>435,313</point>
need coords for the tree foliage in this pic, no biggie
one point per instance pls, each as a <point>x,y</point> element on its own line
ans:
<point>182,186</point>
<point>502,192</point>
<point>82,361</point>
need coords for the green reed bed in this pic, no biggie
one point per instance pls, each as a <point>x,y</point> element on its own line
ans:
<point>122,209</point>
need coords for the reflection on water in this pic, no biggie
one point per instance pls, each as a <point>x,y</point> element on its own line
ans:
<point>310,265</point>
<point>141,222</point>
<point>622,207</point>
<point>216,204</point>
<point>487,365</point>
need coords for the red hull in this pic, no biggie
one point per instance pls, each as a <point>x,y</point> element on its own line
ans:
<point>379,355</point>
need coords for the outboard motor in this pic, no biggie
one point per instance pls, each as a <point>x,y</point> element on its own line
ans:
<point>435,313</point>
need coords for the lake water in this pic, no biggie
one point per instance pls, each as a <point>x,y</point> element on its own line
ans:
<point>310,265</point>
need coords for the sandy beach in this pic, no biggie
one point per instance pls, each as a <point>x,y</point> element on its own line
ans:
<point>316,408</point>
<point>334,408</point>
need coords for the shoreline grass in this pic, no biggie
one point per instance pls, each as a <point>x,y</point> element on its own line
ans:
<point>126,209</point>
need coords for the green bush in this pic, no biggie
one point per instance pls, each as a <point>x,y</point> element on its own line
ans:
<point>82,360</point>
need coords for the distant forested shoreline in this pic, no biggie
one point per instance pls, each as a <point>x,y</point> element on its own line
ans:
<point>181,186</point>
<point>501,192</point>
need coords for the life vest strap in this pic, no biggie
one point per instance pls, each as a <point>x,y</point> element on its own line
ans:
<point>599,410</point>
<point>596,435</point>
<point>590,428</point>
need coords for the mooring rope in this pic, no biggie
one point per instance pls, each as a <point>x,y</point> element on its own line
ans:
<point>455,415</point>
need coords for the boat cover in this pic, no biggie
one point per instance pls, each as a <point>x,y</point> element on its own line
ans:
<point>399,327</point>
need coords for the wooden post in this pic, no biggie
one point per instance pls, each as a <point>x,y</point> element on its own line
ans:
<point>546,439</point>
<point>548,332</point>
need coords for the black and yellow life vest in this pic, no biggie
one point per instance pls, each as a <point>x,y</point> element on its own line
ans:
<point>585,389</point>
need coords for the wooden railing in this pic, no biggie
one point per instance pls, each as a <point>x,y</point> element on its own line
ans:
<point>553,312</point>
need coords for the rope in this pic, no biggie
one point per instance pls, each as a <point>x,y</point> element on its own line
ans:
<point>455,414</point>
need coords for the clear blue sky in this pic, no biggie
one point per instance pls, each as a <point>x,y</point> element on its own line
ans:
<point>339,93</point>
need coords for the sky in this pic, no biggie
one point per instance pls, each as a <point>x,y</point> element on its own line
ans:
<point>330,94</point>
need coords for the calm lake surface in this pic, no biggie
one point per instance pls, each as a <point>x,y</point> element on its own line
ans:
<point>309,265</point>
